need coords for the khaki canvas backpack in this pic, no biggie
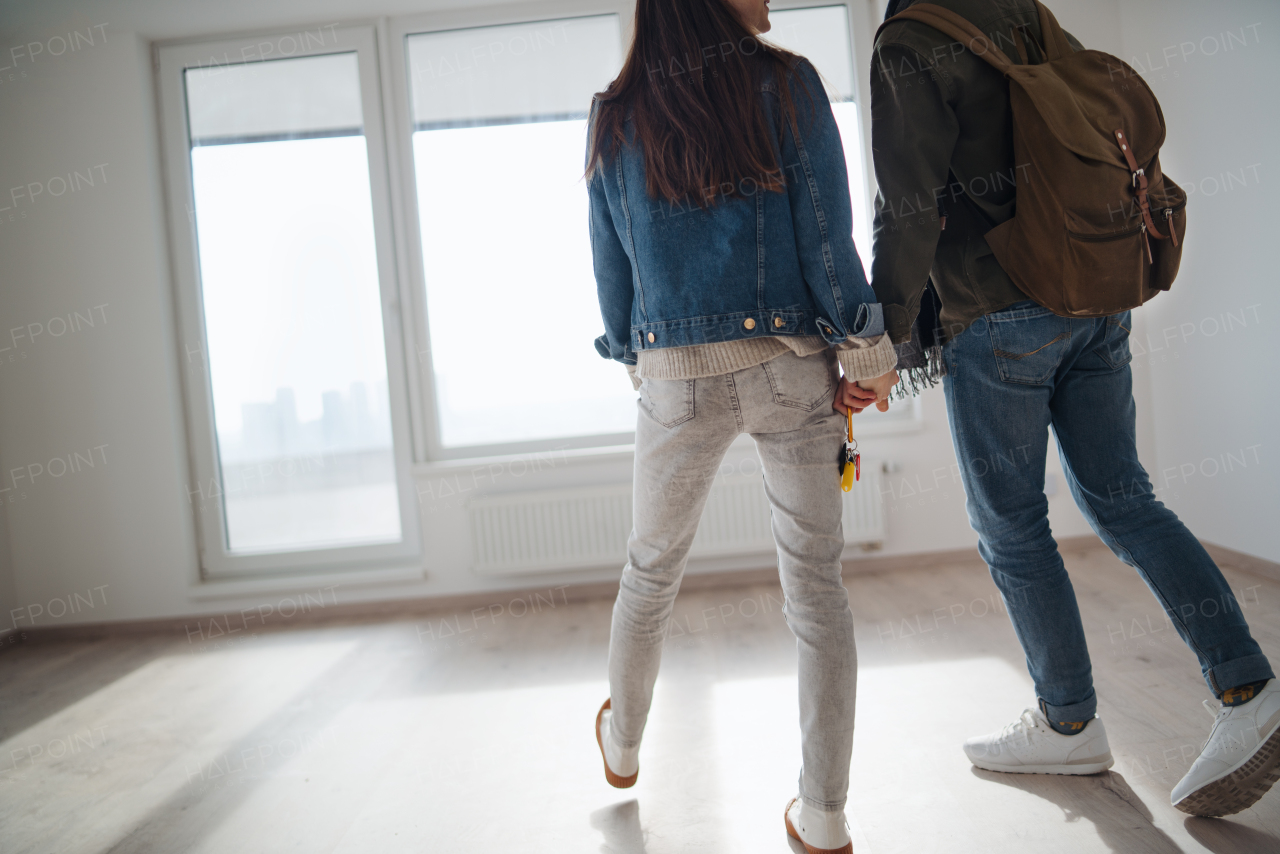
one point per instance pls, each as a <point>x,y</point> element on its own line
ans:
<point>1097,227</point>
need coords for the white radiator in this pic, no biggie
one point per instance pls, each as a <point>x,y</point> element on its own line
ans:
<point>587,527</point>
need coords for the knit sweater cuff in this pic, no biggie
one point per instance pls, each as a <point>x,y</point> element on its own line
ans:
<point>635,379</point>
<point>867,363</point>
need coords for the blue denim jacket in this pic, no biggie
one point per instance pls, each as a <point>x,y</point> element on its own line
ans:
<point>674,275</point>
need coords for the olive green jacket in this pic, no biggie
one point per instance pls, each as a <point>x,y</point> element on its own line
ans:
<point>943,146</point>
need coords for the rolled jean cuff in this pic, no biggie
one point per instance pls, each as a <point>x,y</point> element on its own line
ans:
<point>1082,711</point>
<point>1240,671</point>
<point>823,806</point>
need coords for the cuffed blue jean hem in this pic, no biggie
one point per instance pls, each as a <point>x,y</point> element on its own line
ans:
<point>1240,671</point>
<point>1082,711</point>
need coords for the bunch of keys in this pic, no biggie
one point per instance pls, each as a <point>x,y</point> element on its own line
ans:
<point>850,459</point>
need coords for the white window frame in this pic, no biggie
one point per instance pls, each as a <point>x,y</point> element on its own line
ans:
<point>216,561</point>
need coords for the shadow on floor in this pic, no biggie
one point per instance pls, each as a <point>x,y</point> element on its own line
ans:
<point>1223,836</point>
<point>1123,821</point>
<point>620,824</point>
<point>41,679</point>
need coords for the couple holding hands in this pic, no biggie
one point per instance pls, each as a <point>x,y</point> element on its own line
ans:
<point>731,288</point>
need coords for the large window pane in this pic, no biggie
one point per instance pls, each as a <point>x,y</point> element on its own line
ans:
<point>291,300</point>
<point>500,118</point>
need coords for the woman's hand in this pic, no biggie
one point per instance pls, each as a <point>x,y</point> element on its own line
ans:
<point>850,396</point>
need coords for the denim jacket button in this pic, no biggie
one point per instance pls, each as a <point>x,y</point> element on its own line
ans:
<point>750,323</point>
<point>778,322</point>
<point>650,337</point>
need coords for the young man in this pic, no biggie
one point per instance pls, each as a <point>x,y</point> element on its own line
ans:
<point>941,133</point>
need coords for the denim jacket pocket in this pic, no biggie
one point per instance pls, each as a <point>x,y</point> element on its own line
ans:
<point>1114,349</point>
<point>1028,344</point>
<point>802,382</point>
<point>668,402</point>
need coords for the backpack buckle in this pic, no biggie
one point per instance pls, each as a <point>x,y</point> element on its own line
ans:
<point>1141,173</point>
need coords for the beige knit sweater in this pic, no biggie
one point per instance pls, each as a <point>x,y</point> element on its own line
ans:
<point>860,358</point>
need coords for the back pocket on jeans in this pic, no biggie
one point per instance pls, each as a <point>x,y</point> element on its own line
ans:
<point>1028,345</point>
<point>1114,350</point>
<point>802,382</point>
<point>669,402</point>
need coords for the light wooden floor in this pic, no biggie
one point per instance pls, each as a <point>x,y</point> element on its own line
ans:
<point>406,736</point>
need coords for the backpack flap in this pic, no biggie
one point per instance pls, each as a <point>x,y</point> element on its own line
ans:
<point>1082,111</point>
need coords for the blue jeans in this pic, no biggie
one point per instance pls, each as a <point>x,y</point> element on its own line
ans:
<point>1011,376</point>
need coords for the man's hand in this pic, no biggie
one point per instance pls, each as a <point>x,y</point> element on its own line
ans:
<point>850,396</point>
<point>881,386</point>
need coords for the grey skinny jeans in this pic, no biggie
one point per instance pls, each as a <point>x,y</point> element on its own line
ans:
<point>682,433</point>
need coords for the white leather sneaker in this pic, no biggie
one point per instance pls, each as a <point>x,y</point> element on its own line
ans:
<point>1030,746</point>
<point>621,764</point>
<point>818,831</point>
<point>1239,762</point>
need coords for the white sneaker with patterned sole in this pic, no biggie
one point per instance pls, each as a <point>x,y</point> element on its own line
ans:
<point>1030,746</point>
<point>1239,762</point>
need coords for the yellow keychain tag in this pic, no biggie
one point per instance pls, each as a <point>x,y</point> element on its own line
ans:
<point>850,462</point>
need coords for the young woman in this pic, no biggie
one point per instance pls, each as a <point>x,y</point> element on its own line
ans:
<point>730,287</point>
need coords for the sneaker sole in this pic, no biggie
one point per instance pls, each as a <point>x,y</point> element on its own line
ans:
<point>1239,789</point>
<point>1063,770</point>
<point>809,849</point>
<point>614,780</point>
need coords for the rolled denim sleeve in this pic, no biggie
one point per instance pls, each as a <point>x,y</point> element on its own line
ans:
<point>614,281</point>
<point>822,216</point>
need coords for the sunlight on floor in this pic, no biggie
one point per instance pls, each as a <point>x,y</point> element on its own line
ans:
<point>147,753</point>
<point>719,763</point>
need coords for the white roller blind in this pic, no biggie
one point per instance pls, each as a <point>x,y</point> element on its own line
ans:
<point>519,72</point>
<point>279,99</point>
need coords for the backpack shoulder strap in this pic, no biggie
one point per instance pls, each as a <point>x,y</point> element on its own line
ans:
<point>961,29</point>
<point>1055,41</point>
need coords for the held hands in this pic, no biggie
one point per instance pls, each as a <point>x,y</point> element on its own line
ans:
<point>881,385</point>
<point>858,396</point>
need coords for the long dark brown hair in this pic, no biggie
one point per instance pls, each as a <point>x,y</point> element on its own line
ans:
<point>691,86</point>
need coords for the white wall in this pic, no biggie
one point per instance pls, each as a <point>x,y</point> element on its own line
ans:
<point>8,590</point>
<point>1213,389</point>
<point>120,534</point>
